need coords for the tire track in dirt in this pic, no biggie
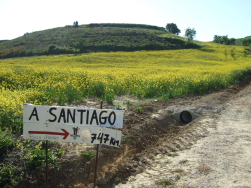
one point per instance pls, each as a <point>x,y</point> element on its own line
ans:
<point>167,161</point>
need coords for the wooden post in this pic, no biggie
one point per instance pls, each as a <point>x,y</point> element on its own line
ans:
<point>96,165</point>
<point>46,162</point>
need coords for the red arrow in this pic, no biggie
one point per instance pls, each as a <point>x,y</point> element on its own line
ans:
<point>65,133</point>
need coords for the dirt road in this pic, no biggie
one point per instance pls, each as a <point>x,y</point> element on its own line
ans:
<point>220,158</point>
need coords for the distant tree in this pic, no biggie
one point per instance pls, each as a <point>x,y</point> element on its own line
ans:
<point>217,39</point>
<point>75,24</point>
<point>224,40</point>
<point>190,34</point>
<point>232,41</point>
<point>172,28</point>
<point>246,41</point>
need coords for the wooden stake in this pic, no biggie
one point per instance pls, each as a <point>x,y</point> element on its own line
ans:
<point>96,165</point>
<point>46,162</point>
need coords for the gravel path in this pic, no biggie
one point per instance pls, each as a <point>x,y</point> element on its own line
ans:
<point>221,159</point>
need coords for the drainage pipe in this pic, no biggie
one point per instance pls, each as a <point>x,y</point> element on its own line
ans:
<point>185,116</point>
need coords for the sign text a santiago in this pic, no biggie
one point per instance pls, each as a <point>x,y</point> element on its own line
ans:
<point>73,116</point>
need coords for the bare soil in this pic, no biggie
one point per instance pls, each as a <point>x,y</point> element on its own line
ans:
<point>158,151</point>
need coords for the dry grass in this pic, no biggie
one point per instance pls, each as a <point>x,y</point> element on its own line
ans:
<point>183,162</point>
<point>204,169</point>
<point>179,171</point>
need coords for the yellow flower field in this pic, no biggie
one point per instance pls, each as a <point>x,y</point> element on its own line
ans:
<point>144,74</point>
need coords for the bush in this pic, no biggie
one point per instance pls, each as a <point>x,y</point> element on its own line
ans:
<point>6,142</point>
<point>12,122</point>
<point>33,154</point>
<point>9,175</point>
<point>27,156</point>
<point>109,98</point>
<point>98,89</point>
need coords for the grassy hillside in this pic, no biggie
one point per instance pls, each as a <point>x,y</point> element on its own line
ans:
<point>92,38</point>
<point>238,42</point>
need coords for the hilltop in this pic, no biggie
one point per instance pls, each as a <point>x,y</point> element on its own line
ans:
<point>93,38</point>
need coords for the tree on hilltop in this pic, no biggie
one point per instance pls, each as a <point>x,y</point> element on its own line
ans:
<point>75,24</point>
<point>190,34</point>
<point>172,28</point>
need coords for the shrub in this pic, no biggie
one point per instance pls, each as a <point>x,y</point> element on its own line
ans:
<point>6,142</point>
<point>10,175</point>
<point>88,154</point>
<point>109,98</point>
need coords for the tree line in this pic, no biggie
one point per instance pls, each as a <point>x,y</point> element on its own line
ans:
<point>231,41</point>
<point>190,34</point>
<point>224,40</point>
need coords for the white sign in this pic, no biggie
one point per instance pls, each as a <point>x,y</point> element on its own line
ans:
<point>73,116</point>
<point>69,133</point>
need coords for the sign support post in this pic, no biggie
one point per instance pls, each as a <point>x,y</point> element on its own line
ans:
<point>46,161</point>
<point>96,165</point>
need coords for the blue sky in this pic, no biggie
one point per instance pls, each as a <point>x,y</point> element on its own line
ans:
<point>208,17</point>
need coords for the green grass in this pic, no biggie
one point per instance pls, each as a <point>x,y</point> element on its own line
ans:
<point>238,42</point>
<point>88,154</point>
